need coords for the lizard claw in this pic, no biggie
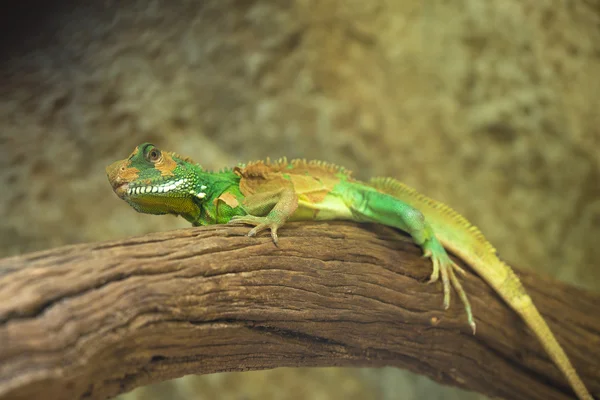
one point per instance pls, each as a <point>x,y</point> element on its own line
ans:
<point>262,227</point>
<point>458,269</point>
<point>435,274</point>
<point>444,266</point>
<point>237,219</point>
<point>260,224</point>
<point>274,235</point>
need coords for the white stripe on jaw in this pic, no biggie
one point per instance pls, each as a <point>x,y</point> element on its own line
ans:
<point>163,188</point>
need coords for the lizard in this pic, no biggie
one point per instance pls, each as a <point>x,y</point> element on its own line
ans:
<point>266,194</point>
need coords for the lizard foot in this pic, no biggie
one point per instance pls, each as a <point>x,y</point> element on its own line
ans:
<point>260,224</point>
<point>444,266</point>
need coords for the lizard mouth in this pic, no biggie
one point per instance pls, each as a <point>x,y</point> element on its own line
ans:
<point>121,189</point>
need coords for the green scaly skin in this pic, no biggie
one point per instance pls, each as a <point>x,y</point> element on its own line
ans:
<point>266,195</point>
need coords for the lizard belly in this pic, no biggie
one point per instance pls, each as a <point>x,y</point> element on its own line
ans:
<point>332,207</point>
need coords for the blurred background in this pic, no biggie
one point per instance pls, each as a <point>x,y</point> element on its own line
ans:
<point>490,106</point>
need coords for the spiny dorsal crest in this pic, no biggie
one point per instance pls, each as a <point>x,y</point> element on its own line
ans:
<point>186,159</point>
<point>261,168</point>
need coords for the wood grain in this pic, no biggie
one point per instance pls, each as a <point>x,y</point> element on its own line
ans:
<point>94,320</point>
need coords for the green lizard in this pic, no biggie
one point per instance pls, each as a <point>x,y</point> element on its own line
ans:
<point>266,194</point>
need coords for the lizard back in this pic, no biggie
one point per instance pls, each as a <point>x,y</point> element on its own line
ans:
<point>312,180</point>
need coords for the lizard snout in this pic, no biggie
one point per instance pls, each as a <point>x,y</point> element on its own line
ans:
<point>115,173</point>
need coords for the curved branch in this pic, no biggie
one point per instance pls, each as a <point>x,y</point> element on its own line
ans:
<point>95,320</point>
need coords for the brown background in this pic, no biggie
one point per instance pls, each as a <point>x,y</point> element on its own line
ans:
<point>491,106</point>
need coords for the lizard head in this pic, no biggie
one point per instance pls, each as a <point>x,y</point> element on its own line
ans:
<point>156,182</point>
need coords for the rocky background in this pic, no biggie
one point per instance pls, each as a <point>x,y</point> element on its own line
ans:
<point>490,106</point>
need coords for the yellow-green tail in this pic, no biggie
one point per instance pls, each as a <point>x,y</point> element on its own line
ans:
<point>466,241</point>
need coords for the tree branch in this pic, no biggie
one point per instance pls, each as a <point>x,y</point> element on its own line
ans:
<point>95,320</point>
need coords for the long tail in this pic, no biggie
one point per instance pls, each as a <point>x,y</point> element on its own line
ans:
<point>466,241</point>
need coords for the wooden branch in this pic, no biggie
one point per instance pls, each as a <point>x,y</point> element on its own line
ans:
<point>95,320</point>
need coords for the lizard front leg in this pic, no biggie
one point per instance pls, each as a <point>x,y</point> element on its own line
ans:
<point>388,210</point>
<point>277,205</point>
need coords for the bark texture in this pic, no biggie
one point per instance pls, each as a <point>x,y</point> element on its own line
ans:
<point>95,320</point>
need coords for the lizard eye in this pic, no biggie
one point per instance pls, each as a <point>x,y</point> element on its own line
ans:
<point>153,155</point>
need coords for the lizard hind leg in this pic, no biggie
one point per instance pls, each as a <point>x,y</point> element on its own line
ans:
<point>388,210</point>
